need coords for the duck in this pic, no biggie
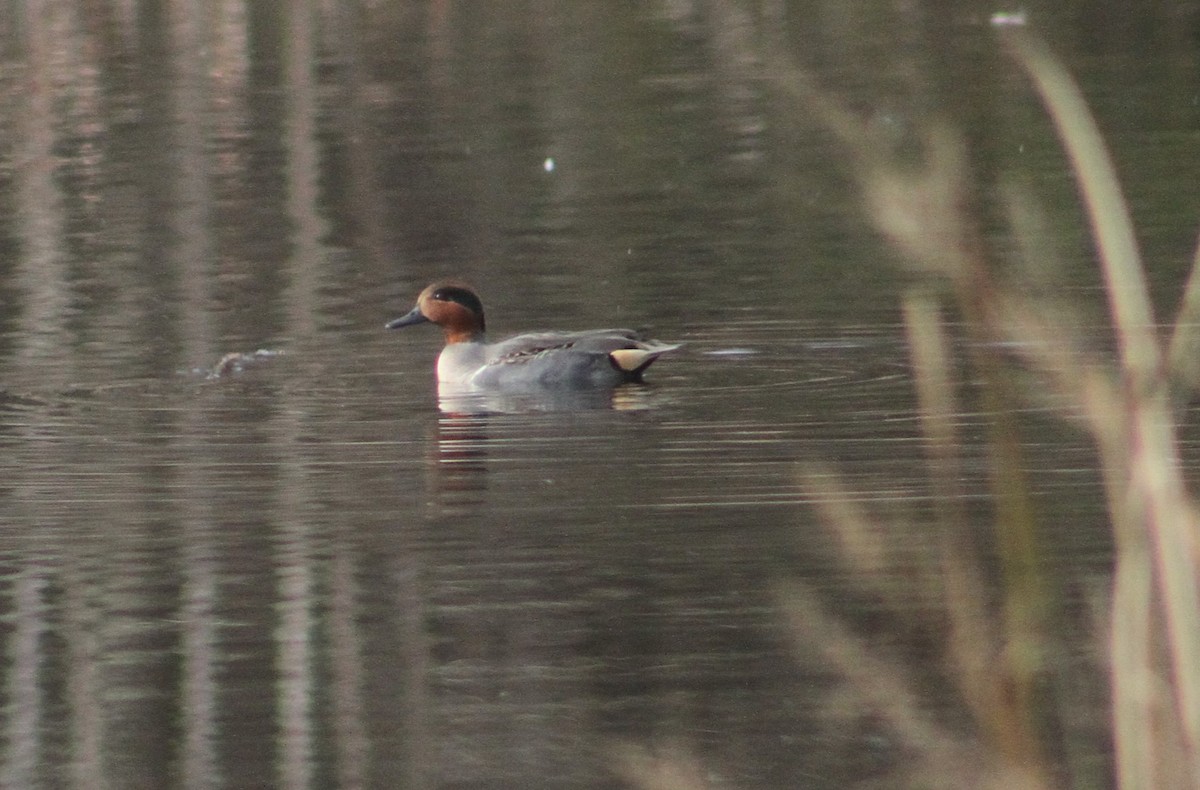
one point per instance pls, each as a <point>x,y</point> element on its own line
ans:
<point>588,360</point>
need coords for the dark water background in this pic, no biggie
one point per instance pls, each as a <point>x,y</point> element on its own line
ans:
<point>304,574</point>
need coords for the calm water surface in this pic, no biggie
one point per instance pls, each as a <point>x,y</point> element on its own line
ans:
<point>304,573</point>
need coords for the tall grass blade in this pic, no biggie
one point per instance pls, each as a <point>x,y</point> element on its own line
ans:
<point>970,642</point>
<point>1153,498</point>
<point>1183,351</point>
<point>1102,197</point>
<point>1003,695</point>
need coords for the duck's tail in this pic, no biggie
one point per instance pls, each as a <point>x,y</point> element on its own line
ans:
<point>634,361</point>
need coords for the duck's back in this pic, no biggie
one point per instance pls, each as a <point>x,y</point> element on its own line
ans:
<point>576,360</point>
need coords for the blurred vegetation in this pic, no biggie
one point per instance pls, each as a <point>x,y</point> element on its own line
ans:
<point>216,76</point>
<point>1009,660</point>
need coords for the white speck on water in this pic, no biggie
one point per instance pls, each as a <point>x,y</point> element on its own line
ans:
<point>833,345</point>
<point>548,164</point>
<point>1009,18</point>
<point>732,352</point>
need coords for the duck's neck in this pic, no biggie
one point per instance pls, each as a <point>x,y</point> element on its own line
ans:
<point>460,335</point>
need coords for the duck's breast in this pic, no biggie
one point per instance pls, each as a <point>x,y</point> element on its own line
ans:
<point>459,362</point>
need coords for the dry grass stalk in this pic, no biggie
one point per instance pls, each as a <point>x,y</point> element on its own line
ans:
<point>1106,208</point>
<point>1151,499</point>
<point>1183,350</point>
<point>942,758</point>
<point>670,769</point>
<point>862,544</point>
<point>999,700</point>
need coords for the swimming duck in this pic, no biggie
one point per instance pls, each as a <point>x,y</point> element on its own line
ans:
<point>596,359</point>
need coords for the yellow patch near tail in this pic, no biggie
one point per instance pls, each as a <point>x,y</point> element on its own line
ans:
<point>630,359</point>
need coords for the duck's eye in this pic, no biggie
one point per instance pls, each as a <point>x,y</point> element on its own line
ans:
<point>461,296</point>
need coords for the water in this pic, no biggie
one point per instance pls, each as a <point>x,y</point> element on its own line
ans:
<point>296,570</point>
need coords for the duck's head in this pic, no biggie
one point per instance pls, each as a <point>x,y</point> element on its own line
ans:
<point>452,305</point>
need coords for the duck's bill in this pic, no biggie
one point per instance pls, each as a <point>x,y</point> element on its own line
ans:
<point>415,316</point>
